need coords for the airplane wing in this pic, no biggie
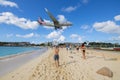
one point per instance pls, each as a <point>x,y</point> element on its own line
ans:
<point>52,17</point>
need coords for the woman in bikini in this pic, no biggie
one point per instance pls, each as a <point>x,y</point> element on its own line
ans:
<point>83,48</point>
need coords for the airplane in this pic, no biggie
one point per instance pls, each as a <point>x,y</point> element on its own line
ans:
<point>56,24</point>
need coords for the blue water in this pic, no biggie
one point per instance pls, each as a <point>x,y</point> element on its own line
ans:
<point>6,51</point>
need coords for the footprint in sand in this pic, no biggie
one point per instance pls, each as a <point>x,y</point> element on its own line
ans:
<point>13,76</point>
<point>33,75</point>
<point>82,77</point>
<point>71,56</point>
<point>37,68</point>
<point>38,73</point>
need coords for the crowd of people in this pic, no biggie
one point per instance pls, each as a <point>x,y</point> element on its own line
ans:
<point>70,48</point>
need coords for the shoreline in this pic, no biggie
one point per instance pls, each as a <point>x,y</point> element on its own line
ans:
<point>15,55</point>
<point>10,63</point>
<point>18,54</point>
<point>72,66</point>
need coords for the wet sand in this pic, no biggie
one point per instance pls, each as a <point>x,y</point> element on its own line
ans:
<point>72,66</point>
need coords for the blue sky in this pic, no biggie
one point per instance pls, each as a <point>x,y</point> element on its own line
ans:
<point>93,20</point>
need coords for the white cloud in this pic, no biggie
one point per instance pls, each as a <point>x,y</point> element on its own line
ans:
<point>73,8</point>
<point>61,38</point>
<point>117,18</point>
<point>9,35</point>
<point>80,39</point>
<point>115,38</point>
<point>36,35</point>
<point>25,36</point>
<point>56,36</point>
<point>107,27</point>
<point>35,42</point>
<point>77,37</point>
<point>85,1</point>
<point>70,8</point>
<point>74,36</point>
<point>28,35</point>
<point>85,27</point>
<point>10,18</point>
<point>90,30</point>
<point>8,3</point>
<point>61,18</point>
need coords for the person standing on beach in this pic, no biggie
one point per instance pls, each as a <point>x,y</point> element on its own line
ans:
<point>77,48</point>
<point>70,49</point>
<point>83,48</point>
<point>56,56</point>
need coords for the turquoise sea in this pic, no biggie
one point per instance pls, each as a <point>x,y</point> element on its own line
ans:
<point>6,51</point>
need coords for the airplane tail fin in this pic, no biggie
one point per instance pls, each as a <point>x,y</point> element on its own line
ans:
<point>40,20</point>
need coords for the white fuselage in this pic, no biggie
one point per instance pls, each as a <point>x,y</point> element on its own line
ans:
<point>58,25</point>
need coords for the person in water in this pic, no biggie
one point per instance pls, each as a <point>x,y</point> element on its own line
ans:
<point>56,56</point>
<point>83,48</point>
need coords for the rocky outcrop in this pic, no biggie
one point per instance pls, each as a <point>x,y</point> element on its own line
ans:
<point>105,71</point>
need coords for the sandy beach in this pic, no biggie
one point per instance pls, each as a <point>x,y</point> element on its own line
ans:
<point>72,66</point>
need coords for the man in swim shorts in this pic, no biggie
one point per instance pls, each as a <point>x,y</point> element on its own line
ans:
<point>56,56</point>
